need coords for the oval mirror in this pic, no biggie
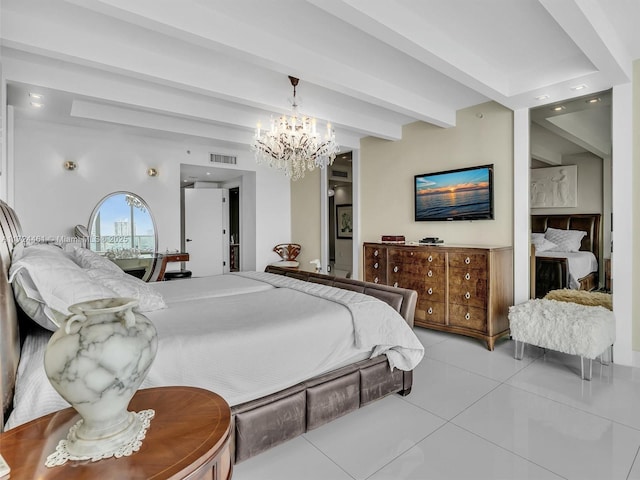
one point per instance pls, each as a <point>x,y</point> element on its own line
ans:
<point>122,228</point>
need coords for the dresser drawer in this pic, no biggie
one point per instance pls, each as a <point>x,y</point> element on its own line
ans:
<point>417,256</point>
<point>431,312</point>
<point>473,295</point>
<point>468,317</point>
<point>468,260</point>
<point>375,264</point>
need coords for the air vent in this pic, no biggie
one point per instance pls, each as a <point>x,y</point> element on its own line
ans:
<point>339,173</point>
<point>217,158</point>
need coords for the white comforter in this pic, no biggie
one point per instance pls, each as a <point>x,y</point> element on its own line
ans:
<point>249,345</point>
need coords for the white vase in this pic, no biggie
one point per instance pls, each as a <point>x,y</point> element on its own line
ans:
<point>96,361</point>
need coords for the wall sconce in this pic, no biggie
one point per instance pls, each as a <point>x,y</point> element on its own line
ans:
<point>70,165</point>
<point>153,172</point>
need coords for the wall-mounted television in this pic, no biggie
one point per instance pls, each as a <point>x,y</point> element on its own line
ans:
<point>462,194</point>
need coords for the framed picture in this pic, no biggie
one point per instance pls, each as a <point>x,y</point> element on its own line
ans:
<point>554,187</point>
<point>344,221</point>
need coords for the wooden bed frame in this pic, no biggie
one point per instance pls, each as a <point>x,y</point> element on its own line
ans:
<point>549,273</point>
<point>259,424</point>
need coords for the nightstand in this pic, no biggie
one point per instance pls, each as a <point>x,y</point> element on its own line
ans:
<point>188,437</point>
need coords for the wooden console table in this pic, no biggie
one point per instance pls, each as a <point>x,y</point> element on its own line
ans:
<point>188,437</point>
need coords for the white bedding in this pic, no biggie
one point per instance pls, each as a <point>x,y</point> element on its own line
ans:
<point>189,289</point>
<point>579,264</point>
<point>262,342</point>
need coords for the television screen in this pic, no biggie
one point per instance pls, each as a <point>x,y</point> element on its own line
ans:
<point>463,194</point>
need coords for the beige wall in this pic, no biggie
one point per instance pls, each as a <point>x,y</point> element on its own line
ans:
<point>483,135</point>
<point>305,217</point>
<point>590,187</point>
<point>635,205</point>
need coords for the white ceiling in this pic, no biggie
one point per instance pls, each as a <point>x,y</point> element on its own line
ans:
<point>211,69</point>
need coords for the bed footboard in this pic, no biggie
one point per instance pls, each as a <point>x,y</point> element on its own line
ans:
<point>269,421</point>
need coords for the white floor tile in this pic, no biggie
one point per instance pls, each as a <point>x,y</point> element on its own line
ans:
<point>430,337</point>
<point>565,440</point>
<point>446,390</point>
<point>611,392</point>
<point>366,440</point>
<point>634,474</point>
<point>294,460</point>
<point>454,453</point>
<point>472,355</point>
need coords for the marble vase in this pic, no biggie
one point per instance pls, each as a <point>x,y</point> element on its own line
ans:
<point>96,361</point>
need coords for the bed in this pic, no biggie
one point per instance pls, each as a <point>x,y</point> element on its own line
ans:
<point>574,267</point>
<point>278,409</point>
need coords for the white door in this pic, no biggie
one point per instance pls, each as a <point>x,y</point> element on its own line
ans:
<point>206,230</point>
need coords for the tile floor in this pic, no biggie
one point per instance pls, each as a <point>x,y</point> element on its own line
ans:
<point>475,414</point>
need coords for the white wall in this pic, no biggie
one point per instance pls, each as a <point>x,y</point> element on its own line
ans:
<point>51,201</point>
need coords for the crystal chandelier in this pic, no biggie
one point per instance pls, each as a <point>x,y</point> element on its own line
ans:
<point>293,144</point>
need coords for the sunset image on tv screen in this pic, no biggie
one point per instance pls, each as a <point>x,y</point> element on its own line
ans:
<point>464,194</point>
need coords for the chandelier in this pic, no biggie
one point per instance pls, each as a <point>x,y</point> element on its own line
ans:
<point>292,143</point>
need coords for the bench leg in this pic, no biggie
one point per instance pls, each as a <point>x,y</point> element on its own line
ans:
<point>582,369</point>
<point>519,350</point>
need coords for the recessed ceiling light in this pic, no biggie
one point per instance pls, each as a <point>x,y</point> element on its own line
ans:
<point>37,96</point>
<point>593,100</point>
<point>582,86</point>
<point>559,108</point>
<point>37,105</point>
<point>542,97</point>
<point>208,173</point>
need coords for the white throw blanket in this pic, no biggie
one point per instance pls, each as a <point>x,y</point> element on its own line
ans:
<point>376,324</point>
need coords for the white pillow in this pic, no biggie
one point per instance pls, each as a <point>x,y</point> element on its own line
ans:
<point>541,243</point>
<point>46,275</point>
<point>565,240</point>
<point>86,258</point>
<point>128,286</point>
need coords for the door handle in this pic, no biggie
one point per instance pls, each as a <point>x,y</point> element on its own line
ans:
<point>188,240</point>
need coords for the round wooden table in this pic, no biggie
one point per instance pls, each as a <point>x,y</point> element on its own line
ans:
<point>189,436</point>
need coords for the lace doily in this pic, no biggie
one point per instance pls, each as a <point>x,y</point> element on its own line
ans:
<point>62,455</point>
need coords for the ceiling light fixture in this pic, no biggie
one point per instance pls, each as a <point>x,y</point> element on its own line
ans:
<point>37,96</point>
<point>70,165</point>
<point>36,104</point>
<point>582,86</point>
<point>153,172</point>
<point>559,108</point>
<point>292,143</point>
<point>593,100</point>
<point>542,97</point>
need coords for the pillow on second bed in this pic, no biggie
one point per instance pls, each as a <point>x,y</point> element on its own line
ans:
<point>565,240</point>
<point>541,243</point>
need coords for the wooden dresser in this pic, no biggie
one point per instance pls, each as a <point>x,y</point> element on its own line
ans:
<point>461,289</point>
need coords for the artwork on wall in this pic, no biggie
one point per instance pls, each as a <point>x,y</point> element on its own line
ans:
<point>554,187</point>
<point>344,221</point>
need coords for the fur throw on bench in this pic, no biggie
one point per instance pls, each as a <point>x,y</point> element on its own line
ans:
<point>583,297</point>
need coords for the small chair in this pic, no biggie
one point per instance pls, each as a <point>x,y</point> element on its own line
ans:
<point>288,253</point>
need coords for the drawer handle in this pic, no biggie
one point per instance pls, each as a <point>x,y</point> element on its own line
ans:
<point>430,259</point>
<point>467,316</point>
<point>375,265</point>
<point>430,311</point>
<point>395,284</point>
<point>375,280</point>
<point>467,295</point>
<point>375,254</point>
<point>430,291</point>
<point>395,269</point>
<point>467,260</point>
<point>429,273</point>
<point>466,277</point>
<point>412,254</point>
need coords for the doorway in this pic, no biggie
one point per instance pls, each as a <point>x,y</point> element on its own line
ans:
<point>340,218</point>
<point>234,229</point>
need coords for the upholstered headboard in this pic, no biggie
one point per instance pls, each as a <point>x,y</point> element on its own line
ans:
<point>10,235</point>
<point>586,222</point>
